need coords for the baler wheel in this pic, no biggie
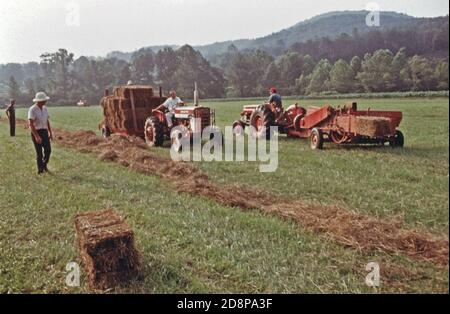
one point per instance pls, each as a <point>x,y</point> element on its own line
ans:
<point>316,139</point>
<point>261,120</point>
<point>153,131</point>
<point>398,140</point>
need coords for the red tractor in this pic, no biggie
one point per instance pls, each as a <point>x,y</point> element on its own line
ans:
<point>194,119</point>
<point>325,124</point>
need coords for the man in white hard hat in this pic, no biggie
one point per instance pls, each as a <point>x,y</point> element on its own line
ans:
<point>41,132</point>
<point>170,104</point>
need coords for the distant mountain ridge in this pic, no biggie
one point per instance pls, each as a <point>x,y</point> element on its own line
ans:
<point>330,25</point>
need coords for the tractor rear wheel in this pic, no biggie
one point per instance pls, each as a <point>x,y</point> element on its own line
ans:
<point>398,140</point>
<point>154,132</point>
<point>261,120</point>
<point>316,139</point>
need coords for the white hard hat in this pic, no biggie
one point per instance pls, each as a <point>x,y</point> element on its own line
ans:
<point>40,96</point>
<point>129,83</point>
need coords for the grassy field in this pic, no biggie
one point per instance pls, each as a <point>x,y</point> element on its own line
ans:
<point>191,244</point>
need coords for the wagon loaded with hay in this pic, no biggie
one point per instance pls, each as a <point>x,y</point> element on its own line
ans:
<point>346,125</point>
<point>126,110</point>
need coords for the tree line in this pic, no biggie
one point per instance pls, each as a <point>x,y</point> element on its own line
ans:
<point>236,74</point>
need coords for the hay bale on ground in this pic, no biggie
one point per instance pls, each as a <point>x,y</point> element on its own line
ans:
<point>373,126</point>
<point>107,248</point>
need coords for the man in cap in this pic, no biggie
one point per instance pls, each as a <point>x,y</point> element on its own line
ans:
<point>275,98</point>
<point>171,104</point>
<point>11,114</point>
<point>41,132</point>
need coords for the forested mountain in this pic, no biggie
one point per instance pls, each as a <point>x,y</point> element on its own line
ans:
<point>329,25</point>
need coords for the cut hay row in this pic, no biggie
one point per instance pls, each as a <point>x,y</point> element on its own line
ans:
<point>106,245</point>
<point>359,231</point>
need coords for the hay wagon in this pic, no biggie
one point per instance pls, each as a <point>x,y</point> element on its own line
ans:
<point>126,110</point>
<point>131,110</point>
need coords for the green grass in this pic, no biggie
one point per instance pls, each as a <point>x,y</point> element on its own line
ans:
<point>191,244</point>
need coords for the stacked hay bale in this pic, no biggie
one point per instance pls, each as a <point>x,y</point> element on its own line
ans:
<point>117,108</point>
<point>107,249</point>
<point>373,126</point>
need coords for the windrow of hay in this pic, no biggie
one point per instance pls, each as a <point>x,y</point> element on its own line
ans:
<point>107,249</point>
<point>349,228</point>
<point>117,108</point>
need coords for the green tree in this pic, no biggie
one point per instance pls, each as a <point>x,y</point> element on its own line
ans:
<point>56,66</point>
<point>167,62</point>
<point>193,67</point>
<point>320,78</point>
<point>246,73</point>
<point>355,64</point>
<point>14,89</point>
<point>30,89</point>
<point>399,64</point>
<point>142,66</point>
<point>376,71</point>
<point>422,74</point>
<point>342,77</point>
<point>271,77</point>
<point>308,65</point>
<point>441,75</point>
<point>290,67</point>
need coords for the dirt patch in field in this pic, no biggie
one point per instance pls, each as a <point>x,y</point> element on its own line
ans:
<point>349,228</point>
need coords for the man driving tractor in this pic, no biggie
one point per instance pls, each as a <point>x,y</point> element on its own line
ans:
<point>276,103</point>
<point>171,104</point>
<point>275,98</point>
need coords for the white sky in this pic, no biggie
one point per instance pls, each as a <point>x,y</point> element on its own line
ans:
<point>31,27</point>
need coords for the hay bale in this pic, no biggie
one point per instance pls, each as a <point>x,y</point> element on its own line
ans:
<point>107,248</point>
<point>139,91</point>
<point>373,126</point>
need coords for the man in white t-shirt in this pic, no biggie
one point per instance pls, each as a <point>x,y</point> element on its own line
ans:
<point>170,104</point>
<point>41,132</point>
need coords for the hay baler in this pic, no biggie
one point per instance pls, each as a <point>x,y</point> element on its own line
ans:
<point>346,125</point>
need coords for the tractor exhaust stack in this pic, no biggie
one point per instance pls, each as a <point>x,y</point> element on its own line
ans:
<point>195,94</point>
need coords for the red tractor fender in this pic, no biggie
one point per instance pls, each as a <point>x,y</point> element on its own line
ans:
<point>158,114</point>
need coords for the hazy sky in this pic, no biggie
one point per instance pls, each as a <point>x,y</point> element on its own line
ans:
<point>96,27</point>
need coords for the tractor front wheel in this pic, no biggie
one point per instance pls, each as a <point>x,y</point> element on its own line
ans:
<point>398,140</point>
<point>261,120</point>
<point>316,139</point>
<point>239,128</point>
<point>106,132</point>
<point>154,132</point>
